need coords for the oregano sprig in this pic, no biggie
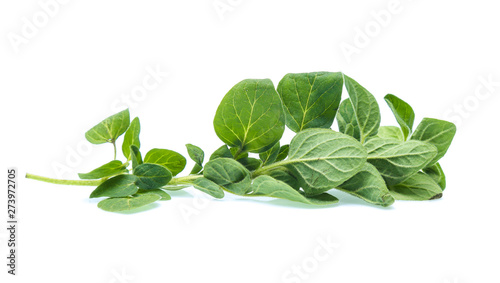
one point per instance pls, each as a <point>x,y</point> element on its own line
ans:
<point>379,164</point>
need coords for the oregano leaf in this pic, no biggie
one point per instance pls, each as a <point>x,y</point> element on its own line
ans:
<point>418,187</point>
<point>402,112</point>
<point>270,187</point>
<point>366,109</point>
<point>368,185</point>
<point>310,100</point>
<point>127,203</point>
<point>170,159</point>
<point>131,137</point>
<point>109,129</point>
<point>151,176</point>
<point>118,186</point>
<point>437,132</point>
<point>324,159</point>
<point>114,167</point>
<point>229,174</point>
<point>250,116</point>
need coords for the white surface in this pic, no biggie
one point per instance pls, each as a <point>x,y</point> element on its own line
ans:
<point>91,55</point>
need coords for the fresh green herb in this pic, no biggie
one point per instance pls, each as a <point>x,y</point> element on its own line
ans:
<point>374,163</point>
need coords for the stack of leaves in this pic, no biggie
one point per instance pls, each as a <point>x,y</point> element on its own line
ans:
<point>377,164</point>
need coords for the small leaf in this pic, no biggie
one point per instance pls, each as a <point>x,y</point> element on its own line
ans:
<point>221,152</point>
<point>310,100</point>
<point>365,107</point>
<point>270,155</point>
<point>196,169</point>
<point>283,153</point>
<point>418,187</point>
<point>109,129</point>
<point>437,174</point>
<point>250,117</point>
<point>118,186</point>
<point>127,203</point>
<point>164,196</point>
<point>324,159</point>
<point>135,156</point>
<point>195,153</point>
<point>390,132</point>
<point>151,176</point>
<point>346,119</point>
<point>397,161</point>
<point>131,137</point>
<point>270,187</point>
<point>436,132</point>
<point>403,112</point>
<point>208,187</point>
<point>250,163</point>
<point>368,185</point>
<point>170,159</point>
<point>229,174</point>
<point>114,167</point>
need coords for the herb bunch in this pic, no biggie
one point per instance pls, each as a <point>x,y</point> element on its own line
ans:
<point>379,164</point>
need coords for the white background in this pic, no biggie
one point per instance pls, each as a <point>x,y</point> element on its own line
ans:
<point>88,58</point>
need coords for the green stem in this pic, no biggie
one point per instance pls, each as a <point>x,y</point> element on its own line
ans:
<point>183,180</point>
<point>174,181</point>
<point>65,182</point>
<point>114,147</point>
<point>264,169</point>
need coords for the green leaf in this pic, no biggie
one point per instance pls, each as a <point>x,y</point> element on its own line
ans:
<point>170,159</point>
<point>151,176</point>
<point>229,174</point>
<point>390,132</point>
<point>436,132</point>
<point>346,119</point>
<point>250,117</point>
<point>368,185</point>
<point>397,161</point>
<point>284,175</point>
<point>270,187</point>
<point>196,154</point>
<point>208,187</point>
<point>109,169</point>
<point>109,129</point>
<point>365,107</point>
<point>283,153</point>
<point>196,169</point>
<point>270,155</point>
<point>418,187</point>
<point>250,163</point>
<point>437,174</point>
<point>131,137</point>
<point>135,156</point>
<point>221,152</point>
<point>324,159</point>
<point>118,186</point>
<point>310,100</point>
<point>127,203</point>
<point>164,196</point>
<point>403,112</point>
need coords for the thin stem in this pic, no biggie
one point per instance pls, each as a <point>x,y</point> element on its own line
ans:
<point>262,170</point>
<point>65,182</point>
<point>183,180</point>
<point>114,147</point>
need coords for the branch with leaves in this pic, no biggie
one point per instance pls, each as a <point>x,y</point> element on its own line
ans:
<point>379,164</point>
